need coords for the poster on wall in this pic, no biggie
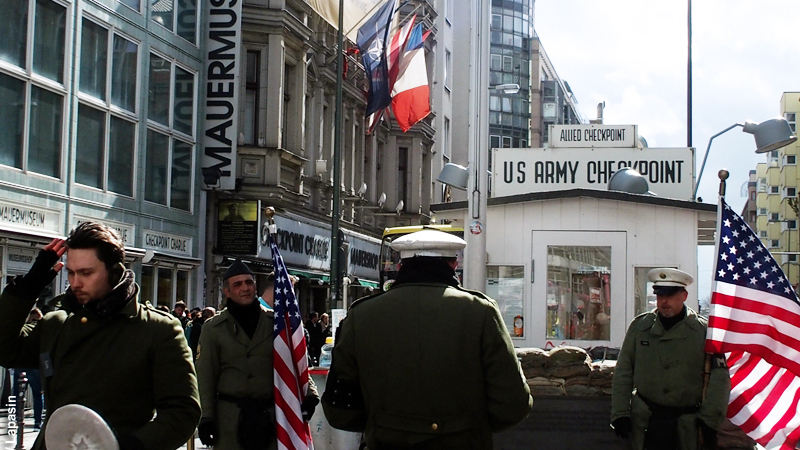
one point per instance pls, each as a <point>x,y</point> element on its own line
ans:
<point>237,228</point>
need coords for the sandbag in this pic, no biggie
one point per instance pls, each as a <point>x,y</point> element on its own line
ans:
<point>568,355</point>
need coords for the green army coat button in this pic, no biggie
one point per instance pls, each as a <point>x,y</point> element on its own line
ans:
<point>84,320</point>
<point>434,427</point>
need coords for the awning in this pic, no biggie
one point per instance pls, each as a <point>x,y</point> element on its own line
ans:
<point>319,276</point>
<point>368,283</point>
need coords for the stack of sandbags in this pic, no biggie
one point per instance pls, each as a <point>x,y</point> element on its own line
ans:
<point>565,371</point>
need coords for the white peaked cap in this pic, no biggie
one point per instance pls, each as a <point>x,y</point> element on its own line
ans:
<point>666,276</point>
<point>428,243</point>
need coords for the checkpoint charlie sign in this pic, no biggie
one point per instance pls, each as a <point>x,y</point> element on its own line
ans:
<point>669,171</point>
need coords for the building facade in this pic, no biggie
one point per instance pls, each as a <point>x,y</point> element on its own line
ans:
<point>285,152</point>
<point>776,197</point>
<point>99,103</point>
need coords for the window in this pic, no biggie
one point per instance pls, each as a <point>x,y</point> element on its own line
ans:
<point>448,69</point>
<point>253,71</point>
<point>446,144</point>
<point>170,135</point>
<point>791,118</point>
<point>506,141</point>
<point>506,285</point>
<point>762,211</point>
<point>183,23</point>
<point>133,4</point>
<point>497,22</point>
<point>791,224</point>
<point>28,106</point>
<point>578,283</point>
<point>774,217</point>
<point>106,120</point>
<point>774,189</point>
<point>775,243</point>
<point>402,175</point>
<point>792,258</point>
<point>790,159</point>
<point>762,234</point>
<point>508,64</point>
<point>494,141</point>
<point>496,62</point>
<point>752,195</point>
<point>762,185</point>
<point>164,286</point>
<point>790,192</point>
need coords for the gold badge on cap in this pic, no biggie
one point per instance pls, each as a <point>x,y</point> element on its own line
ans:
<point>662,275</point>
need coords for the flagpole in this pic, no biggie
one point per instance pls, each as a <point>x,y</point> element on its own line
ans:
<point>336,281</point>
<point>723,175</point>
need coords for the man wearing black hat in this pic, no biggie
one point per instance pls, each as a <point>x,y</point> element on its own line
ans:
<point>658,398</point>
<point>235,373</point>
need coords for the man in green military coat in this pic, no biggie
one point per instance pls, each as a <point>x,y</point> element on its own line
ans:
<point>658,396</point>
<point>427,364</point>
<point>103,349</point>
<point>235,372</point>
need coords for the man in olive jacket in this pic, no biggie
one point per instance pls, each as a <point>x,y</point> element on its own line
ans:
<point>427,364</point>
<point>103,349</point>
<point>662,359</point>
<point>235,371</point>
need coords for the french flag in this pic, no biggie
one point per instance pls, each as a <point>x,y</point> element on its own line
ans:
<point>410,93</point>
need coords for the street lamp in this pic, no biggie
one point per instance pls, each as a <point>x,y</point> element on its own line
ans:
<point>510,88</point>
<point>770,135</point>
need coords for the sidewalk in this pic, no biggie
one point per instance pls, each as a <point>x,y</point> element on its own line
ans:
<point>29,436</point>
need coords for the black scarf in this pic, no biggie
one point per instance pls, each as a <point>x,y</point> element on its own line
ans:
<point>669,322</point>
<point>125,291</point>
<point>246,316</point>
<point>426,269</point>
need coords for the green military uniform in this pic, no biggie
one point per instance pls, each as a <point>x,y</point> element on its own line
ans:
<point>133,368</point>
<point>665,367</point>
<point>425,365</point>
<point>231,364</point>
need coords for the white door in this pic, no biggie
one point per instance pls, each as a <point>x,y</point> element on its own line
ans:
<point>578,288</point>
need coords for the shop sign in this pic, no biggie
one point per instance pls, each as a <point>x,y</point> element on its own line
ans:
<point>593,136</point>
<point>364,257</point>
<point>126,230</point>
<point>28,217</point>
<point>167,243</point>
<point>669,171</point>
<point>301,244</point>
<point>223,44</point>
<point>20,260</point>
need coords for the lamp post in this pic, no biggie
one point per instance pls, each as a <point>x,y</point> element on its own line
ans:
<point>770,135</point>
<point>788,245</point>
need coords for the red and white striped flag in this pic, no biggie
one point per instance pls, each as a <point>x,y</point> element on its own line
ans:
<point>755,320</point>
<point>290,361</point>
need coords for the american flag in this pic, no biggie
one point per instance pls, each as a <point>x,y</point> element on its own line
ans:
<point>290,361</point>
<point>755,320</point>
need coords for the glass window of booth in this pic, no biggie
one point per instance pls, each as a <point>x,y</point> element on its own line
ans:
<point>578,292</point>
<point>506,285</point>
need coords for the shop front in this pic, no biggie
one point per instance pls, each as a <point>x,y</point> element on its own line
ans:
<point>305,245</point>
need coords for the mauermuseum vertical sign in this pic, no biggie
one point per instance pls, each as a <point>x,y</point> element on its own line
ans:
<point>222,88</point>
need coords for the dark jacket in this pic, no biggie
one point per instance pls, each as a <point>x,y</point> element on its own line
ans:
<point>133,367</point>
<point>441,374</point>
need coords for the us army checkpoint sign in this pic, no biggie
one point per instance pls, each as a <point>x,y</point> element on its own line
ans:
<point>669,171</point>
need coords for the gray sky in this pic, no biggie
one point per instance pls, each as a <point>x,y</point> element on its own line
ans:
<point>632,54</point>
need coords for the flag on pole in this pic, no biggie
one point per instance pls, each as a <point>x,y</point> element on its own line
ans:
<point>372,39</point>
<point>755,320</point>
<point>290,361</point>
<point>411,94</point>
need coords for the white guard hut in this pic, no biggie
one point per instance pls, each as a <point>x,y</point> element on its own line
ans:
<point>567,260</point>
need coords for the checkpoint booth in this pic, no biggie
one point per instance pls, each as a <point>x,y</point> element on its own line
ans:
<point>567,259</point>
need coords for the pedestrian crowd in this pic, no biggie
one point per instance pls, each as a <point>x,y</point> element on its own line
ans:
<point>156,375</point>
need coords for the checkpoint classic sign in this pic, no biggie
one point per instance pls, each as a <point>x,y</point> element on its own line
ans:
<point>669,171</point>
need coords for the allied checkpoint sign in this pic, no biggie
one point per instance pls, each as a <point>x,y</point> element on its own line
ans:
<point>669,171</point>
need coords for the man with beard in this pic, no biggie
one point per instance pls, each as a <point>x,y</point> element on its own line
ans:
<point>103,349</point>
